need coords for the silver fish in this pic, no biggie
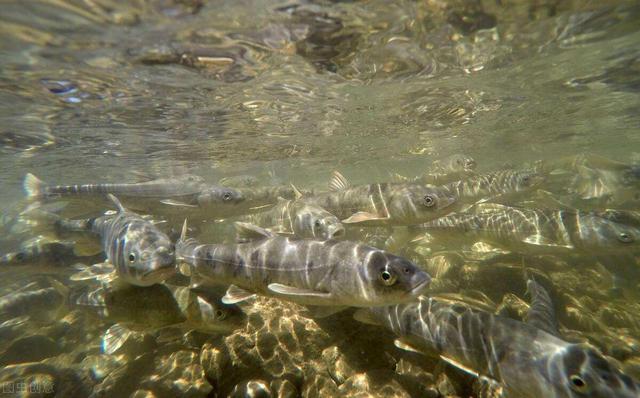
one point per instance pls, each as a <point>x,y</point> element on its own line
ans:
<point>526,361</point>
<point>308,272</point>
<point>384,203</point>
<point>138,253</point>
<point>536,230</point>
<point>297,217</point>
<point>496,184</point>
<point>159,188</point>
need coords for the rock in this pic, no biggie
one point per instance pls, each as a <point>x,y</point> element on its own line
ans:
<point>29,349</point>
<point>283,388</point>
<point>180,374</point>
<point>418,381</point>
<point>251,389</point>
<point>445,386</point>
<point>336,364</point>
<point>376,383</point>
<point>214,361</point>
<point>319,385</point>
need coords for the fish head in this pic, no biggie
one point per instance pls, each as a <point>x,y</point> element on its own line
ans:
<point>315,222</point>
<point>222,195</point>
<point>524,180</point>
<point>392,279</point>
<point>149,259</point>
<point>580,370</point>
<point>211,314</point>
<point>461,162</point>
<point>607,235</point>
<point>417,203</point>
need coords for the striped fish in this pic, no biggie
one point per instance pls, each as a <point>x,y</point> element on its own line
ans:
<point>496,184</point>
<point>158,188</point>
<point>383,203</point>
<point>308,272</point>
<point>536,230</point>
<point>304,220</point>
<point>137,252</point>
<point>526,361</point>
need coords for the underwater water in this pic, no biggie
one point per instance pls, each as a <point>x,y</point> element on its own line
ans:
<point>256,94</point>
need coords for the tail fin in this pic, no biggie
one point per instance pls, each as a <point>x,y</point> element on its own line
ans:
<point>33,186</point>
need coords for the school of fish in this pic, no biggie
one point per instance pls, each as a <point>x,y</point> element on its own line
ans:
<point>180,254</point>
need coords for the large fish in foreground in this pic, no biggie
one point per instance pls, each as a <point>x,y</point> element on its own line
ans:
<point>309,272</point>
<point>137,252</point>
<point>296,217</point>
<point>536,231</point>
<point>383,203</point>
<point>526,360</point>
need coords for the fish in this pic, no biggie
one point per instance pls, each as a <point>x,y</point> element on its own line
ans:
<point>184,185</point>
<point>590,181</point>
<point>137,252</point>
<point>502,183</point>
<point>443,171</point>
<point>299,218</point>
<point>308,272</point>
<point>162,308</point>
<point>383,204</point>
<point>522,359</point>
<point>458,162</point>
<point>537,231</point>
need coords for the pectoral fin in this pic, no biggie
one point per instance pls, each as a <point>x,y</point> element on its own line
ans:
<point>114,338</point>
<point>236,295</point>
<point>294,291</point>
<point>101,271</point>
<point>405,346</point>
<point>171,202</point>
<point>363,216</point>
<point>460,366</point>
<point>247,232</point>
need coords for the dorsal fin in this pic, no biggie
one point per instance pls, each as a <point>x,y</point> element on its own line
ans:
<point>541,310</point>
<point>116,202</point>
<point>338,182</point>
<point>247,232</point>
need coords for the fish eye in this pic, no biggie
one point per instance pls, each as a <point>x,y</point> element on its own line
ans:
<point>459,161</point>
<point>625,237</point>
<point>429,200</point>
<point>220,314</point>
<point>317,223</point>
<point>577,383</point>
<point>20,256</point>
<point>226,196</point>
<point>406,270</point>
<point>132,257</point>
<point>387,278</point>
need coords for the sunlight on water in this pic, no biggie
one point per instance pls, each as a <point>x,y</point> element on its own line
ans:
<point>508,134</point>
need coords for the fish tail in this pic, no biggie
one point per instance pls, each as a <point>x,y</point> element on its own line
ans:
<point>33,186</point>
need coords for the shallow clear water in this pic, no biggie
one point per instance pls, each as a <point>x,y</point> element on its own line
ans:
<point>98,91</point>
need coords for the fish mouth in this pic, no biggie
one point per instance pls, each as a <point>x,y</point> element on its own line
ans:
<point>421,286</point>
<point>337,232</point>
<point>159,274</point>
